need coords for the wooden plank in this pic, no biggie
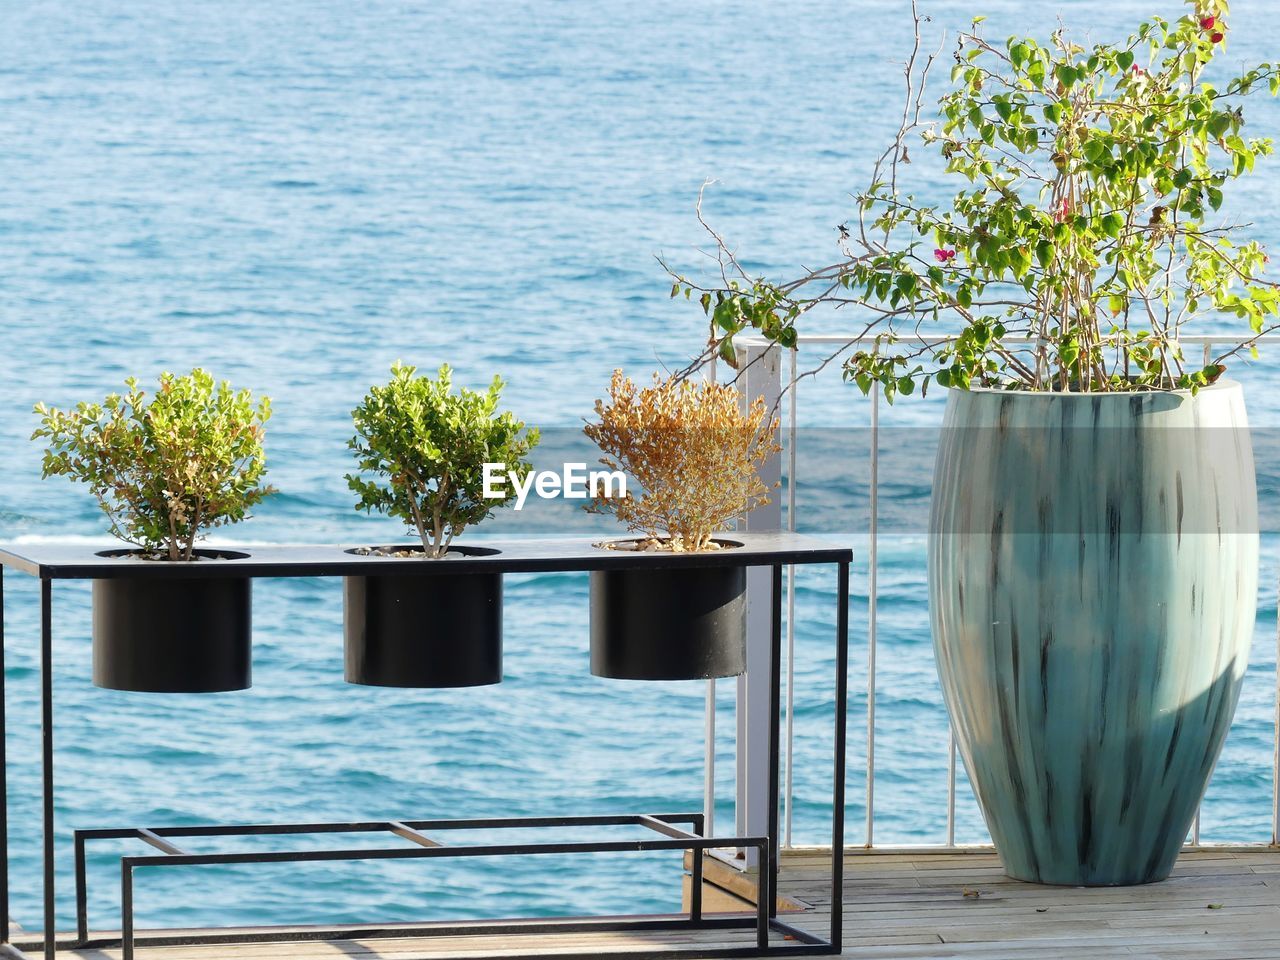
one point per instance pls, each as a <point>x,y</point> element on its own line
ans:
<point>909,906</point>
<point>741,884</point>
<point>408,833</point>
<point>715,899</point>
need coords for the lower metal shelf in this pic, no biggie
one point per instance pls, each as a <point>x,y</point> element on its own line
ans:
<point>422,843</point>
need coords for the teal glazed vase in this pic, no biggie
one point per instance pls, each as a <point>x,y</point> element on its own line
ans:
<point>1093,570</point>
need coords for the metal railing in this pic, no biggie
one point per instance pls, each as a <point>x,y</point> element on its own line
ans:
<point>786,389</point>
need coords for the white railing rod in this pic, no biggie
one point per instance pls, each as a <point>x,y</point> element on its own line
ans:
<point>890,849</point>
<point>835,339</point>
<point>709,761</point>
<point>951,786</point>
<point>872,596</point>
<point>1275,752</point>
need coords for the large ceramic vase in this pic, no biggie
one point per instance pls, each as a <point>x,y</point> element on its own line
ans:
<point>1093,566</point>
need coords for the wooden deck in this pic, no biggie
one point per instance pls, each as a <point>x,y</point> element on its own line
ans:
<point>1218,904</point>
<point>1222,904</point>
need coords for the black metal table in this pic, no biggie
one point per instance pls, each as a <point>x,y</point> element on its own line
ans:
<point>50,562</point>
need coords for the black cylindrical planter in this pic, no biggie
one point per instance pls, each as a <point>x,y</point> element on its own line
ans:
<point>677,624</point>
<point>180,635</point>
<point>443,630</point>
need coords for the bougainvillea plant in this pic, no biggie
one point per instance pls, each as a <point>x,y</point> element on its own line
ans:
<point>1085,236</point>
<point>168,468</point>
<point>421,449</point>
<point>692,449</point>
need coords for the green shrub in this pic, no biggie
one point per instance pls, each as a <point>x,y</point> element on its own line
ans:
<point>1085,238</point>
<point>166,469</point>
<point>422,448</point>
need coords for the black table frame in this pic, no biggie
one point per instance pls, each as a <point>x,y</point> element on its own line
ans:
<point>772,550</point>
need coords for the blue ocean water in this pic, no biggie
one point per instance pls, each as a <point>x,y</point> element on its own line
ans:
<point>295,195</point>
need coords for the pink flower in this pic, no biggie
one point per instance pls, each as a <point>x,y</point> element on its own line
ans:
<point>1137,70</point>
<point>1216,37</point>
<point>1062,211</point>
<point>943,255</point>
<point>1206,23</point>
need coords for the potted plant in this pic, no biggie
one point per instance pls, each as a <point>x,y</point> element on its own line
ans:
<point>421,450</point>
<point>694,452</point>
<point>1093,550</point>
<point>166,469</point>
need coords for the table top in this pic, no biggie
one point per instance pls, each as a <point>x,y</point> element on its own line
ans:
<point>55,561</point>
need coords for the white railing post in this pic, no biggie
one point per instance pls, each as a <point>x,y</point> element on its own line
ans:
<point>709,719</point>
<point>789,707</point>
<point>760,375</point>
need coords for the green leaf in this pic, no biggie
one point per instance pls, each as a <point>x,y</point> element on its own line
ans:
<point>1044,253</point>
<point>728,316</point>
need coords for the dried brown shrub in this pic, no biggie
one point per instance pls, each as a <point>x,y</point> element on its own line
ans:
<point>695,454</point>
